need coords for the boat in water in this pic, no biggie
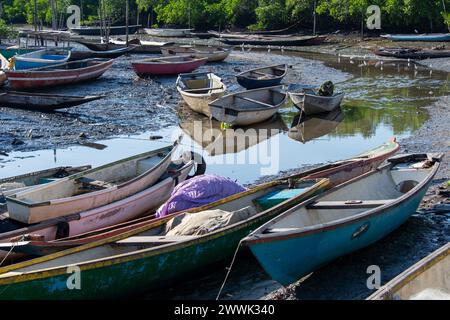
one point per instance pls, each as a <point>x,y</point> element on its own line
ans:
<point>311,102</point>
<point>433,37</point>
<point>199,89</point>
<point>344,219</point>
<point>248,107</point>
<point>411,53</point>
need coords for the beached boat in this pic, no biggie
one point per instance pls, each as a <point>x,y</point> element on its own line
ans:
<point>214,54</point>
<point>344,219</point>
<point>412,53</point>
<point>434,37</point>
<point>12,51</point>
<point>42,102</point>
<point>90,189</point>
<point>148,258</point>
<point>262,77</point>
<point>3,78</point>
<point>311,103</point>
<point>428,279</point>
<point>77,55</point>
<point>14,184</point>
<point>140,46</point>
<point>274,41</point>
<point>199,89</point>
<point>40,58</point>
<point>248,107</point>
<point>168,33</point>
<point>117,212</point>
<point>307,128</point>
<point>61,74</point>
<point>167,65</point>
<point>97,31</point>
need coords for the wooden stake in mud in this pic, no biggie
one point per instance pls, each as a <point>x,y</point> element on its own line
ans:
<point>127,8</point>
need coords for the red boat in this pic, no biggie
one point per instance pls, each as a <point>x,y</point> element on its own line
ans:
<point>167,65</point>
<point>61,74</point>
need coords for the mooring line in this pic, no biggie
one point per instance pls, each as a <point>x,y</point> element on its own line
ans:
<point>12,248</point>
<point>229,271</point>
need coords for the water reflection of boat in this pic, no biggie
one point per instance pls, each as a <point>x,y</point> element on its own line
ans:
<point>306,128</point>
<point>216,141</point>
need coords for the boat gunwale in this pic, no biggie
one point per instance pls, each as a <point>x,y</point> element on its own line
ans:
<point>97,62</point>
<point>210,93</point>
<point>256,238</point>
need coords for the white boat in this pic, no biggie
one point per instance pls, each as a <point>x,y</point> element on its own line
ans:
<point>214,54</point>
<point>248,107</point>
<point>90,189</point>
<point>199,89</point>
<point>175,33</point>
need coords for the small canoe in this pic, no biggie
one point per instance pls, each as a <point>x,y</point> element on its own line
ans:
<point>412,53</point>
<point>344,219</point>
<point>167,65</point>
<point>147,259</point>
<point>274,41</point>
<point>169,33</point>
<point>77,55</point>
<point>434,37</point>
<point>214,54</point>
<point>199,89</point>
<point>308,128</point>
<point>140,47</point>
<point>248,107</point>
<point>12,185</point>
<point>262,77</point>
<point>42,102</point>
<point>311,103</point>
<point>40,58</point>
<point>90,189</point>
<point>40,238</point>
<point>97,31</point>
<point>61,74</point>
<point>428,279</point>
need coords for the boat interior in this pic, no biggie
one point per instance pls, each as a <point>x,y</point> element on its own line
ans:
<point>237,211</point>
<point>253,99</point>
<point>353,198</point>
<point>95,179</point>
<point>75,65</point>
<point>200,84</point>
<point>266,73</point>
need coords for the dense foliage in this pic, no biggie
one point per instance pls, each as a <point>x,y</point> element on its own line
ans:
<point>400,15</point>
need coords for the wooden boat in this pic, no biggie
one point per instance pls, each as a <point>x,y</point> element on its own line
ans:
<point>167,65</point>
<point>12,51</point>
<point>284,31</point>
<point>199,89</point>
<point>262,77</point>
<point>97,31</point>
<point>41,101</point>
<point>40,58</point>
<point>434,37</point>
<point>163,259</point>
<point>214,54</point>
<point>169,33</point>
<point>77,55</point>
<point>411,53</point>
<point>90,189</point>
<point>311,103</point>
<point>307,128</point>
<point>3,78</point>
<point>428,279</point>
<point>274,41</point>
<point>103,217</point>
<point>248,107</point>
<point>62,74</point>
<point>11,185</point>
<point>347,218</point>
<point>141,47</point>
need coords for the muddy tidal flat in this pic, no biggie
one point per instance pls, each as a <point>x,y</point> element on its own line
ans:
<point>384,99</point>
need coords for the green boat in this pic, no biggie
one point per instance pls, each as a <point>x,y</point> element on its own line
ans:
<point>152,256</point>
<point>10,52</point>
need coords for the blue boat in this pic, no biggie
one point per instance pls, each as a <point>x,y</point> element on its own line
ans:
<point>433,37</point>
<point>40,58</point>
<point>262,77</point>
<point>344,219</point>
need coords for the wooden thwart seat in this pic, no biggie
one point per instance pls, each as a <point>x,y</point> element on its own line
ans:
<point>358,204</point>
<point>145,240</point>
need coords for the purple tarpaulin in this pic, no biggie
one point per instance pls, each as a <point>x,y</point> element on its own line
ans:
<point>197,192</point>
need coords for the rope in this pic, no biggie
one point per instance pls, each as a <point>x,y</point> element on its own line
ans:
<point>12,248</point>
<point>229,270</point>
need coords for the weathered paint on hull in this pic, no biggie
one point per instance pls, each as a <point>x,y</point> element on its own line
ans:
<point>318,248</point>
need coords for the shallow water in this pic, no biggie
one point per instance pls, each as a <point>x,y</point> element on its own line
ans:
<point>382,101</point>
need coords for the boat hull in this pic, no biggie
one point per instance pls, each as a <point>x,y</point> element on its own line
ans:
<point>418,37</point>
<point>315,104</point>
<point>318,248</point>
<point>212,55</point>
<point>143,69</point>
<point>113,31</point>
<point>273,41</point>
<point>167,33</point>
